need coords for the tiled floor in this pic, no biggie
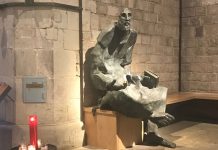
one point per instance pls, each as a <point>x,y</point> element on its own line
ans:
<point>187,135</point>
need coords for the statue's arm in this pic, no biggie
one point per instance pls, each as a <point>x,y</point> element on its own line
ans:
<point>100,77</point>
<point>101,81</point>
<point>105,82</point>
<point>128,57</point>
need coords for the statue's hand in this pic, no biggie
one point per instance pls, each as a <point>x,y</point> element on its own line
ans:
<point>118,87</point>
<point>110,85</point>
<point>94,109</point>
<point>102,68</point>
<point>114,86</point>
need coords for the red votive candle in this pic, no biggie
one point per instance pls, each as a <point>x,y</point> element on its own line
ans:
<point>33,122</point>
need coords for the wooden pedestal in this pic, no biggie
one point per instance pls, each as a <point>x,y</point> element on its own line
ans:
<point>111,130</point>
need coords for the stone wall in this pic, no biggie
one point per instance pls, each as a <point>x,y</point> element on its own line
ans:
<point>199,45</point>
<point>157,25</point>
<point>44,41</point>
<point>7,60</point>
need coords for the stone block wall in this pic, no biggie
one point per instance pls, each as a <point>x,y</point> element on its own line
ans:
<point>7,60</point>
<point>199,45</point>
<point>157,25</point>
<point>47,44</point>
<point>43,41</point>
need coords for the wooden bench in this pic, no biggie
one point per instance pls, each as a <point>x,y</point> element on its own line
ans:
<point>186,96</point>
<point>111,130</point>
<point>114,131</point>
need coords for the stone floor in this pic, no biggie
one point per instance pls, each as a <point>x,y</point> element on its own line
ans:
<point>187,135</point>
<point>5,135</point>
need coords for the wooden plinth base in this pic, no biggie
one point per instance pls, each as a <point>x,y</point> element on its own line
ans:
<point>111,130</point>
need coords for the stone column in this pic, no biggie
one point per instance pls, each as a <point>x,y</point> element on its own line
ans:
<point>44,41</point>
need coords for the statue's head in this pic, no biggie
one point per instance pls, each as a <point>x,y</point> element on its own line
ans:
<point>124,19</point>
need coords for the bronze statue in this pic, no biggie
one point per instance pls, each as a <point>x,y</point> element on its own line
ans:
<point>123,92</point>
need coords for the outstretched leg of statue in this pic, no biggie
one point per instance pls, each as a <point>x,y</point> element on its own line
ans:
<point>152,137</point>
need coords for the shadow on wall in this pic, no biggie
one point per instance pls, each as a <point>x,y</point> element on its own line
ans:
<point>91,95</point>
<point>4,43</point>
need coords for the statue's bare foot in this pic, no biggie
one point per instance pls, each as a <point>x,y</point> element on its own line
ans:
<point>162,120</point>
<point>167,143</point>
<point>152,139</point>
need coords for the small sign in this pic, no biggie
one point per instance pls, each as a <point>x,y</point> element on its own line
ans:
<point>34,85</point>
<point>34,89</point>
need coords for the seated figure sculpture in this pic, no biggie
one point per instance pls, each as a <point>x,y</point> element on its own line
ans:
<point>123,92</point>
